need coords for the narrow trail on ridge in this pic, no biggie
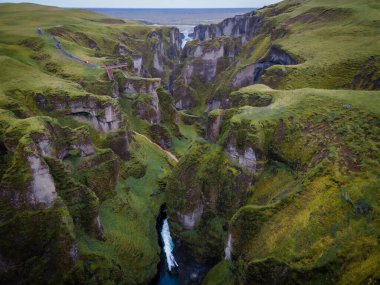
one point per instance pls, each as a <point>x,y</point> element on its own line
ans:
<point>170,154</point>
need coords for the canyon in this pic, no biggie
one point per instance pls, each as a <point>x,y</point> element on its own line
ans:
<point>247,155</point>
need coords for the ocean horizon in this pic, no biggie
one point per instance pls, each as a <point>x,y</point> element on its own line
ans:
<point>180,17</point>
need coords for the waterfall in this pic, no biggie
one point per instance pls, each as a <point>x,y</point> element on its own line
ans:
<point>186,34</point>
<point>168,245</point>
<point>228,249</point>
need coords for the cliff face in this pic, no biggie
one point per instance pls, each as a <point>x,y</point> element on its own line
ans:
<point>215,56</point>
<point>163,48</point>
<point>203,191</point>
<point>38,192</point>
<point>203,62</point>
<point>101,112</point>
<point>175,44</point>
<point>285,189</point>
<point>147,102</point>
<point>242,26</point>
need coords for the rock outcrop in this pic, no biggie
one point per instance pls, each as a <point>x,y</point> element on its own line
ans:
<point>42,190</point>
<point>247,75</point>
<point>246,158</point>
<point>252,73</point>
<point>203,191</point>
<point>189,220</point>
<point>213,125</point>
<point>157,49</point>
<point>102,113</point>
<point>204,61</point>
<point>164,50</point>
<point>242,26</point>
<point>144,90</point>
<point>228,249</point>
<point>175,44</point>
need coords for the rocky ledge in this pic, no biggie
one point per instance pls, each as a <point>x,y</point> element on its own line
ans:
<point>244,26</point>
<point>144,91</point>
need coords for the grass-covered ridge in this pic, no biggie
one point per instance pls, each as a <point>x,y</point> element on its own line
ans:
<point>98,224</point>
<point>314,206</point>
<point>287,170</point>
<point>319,34</point>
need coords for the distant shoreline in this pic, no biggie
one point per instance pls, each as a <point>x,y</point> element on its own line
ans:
<point>172,16</point>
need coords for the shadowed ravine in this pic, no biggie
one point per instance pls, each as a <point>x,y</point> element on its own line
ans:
<point>177,265</point>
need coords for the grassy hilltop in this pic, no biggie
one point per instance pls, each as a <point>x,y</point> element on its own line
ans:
<point>309,212</point>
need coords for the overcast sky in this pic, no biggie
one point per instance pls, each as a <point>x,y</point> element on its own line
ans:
<point>152,3</point>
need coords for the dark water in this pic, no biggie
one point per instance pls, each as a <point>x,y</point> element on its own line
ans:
<point>189,270</point>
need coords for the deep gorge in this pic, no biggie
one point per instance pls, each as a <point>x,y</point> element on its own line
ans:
<point>245,153</point>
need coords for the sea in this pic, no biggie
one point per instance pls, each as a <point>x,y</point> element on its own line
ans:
<point>184,19</point>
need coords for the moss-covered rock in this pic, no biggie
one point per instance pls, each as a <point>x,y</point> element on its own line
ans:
<point>203,192</point>
<point>100,173</point>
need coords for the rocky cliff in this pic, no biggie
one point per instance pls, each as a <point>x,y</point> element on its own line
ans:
<point>144,90</point>
<point>101,112</point>
<point>203,192</point>
<point>276,182</point>
<point>37,191</point>
<point>203,61</point>
<point>161,53</point>
<point>242,26</point>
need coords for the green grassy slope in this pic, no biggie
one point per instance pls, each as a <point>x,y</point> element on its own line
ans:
<point>311,213</point>
<point>335,43</point>
<point>316,211</point>
<point>334,39</point>
<point>124,194</point>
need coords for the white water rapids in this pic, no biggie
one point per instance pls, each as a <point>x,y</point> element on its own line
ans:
<point>168,245</point>
<point>186,34</point>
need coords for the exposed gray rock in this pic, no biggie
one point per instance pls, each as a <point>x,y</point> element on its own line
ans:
<point>157,49</point>
<point>189,220</point>
<point>148,109</point>
<point>102,113</point>
<point>115,89</point>
<point>204,61</point>
<point>246,158</point>
<point>175,44</point>
<point>74,253</point>
<point>213,127</point>
<point>213,105</point>
<point>244,76</point>
<point>109,120</point>
<point>122,50</point>
<point>82,143</point>
<point>242,26</point>
<point>252,73</point>
<point>98,228</point>
<point>42,190</point>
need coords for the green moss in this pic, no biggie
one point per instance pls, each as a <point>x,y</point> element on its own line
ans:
<point>82,202</point>
<point>135,168</point>
<point>205,176</point>
<point>100,173</point>
<point>222,273</point>
<point>50,231</point>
